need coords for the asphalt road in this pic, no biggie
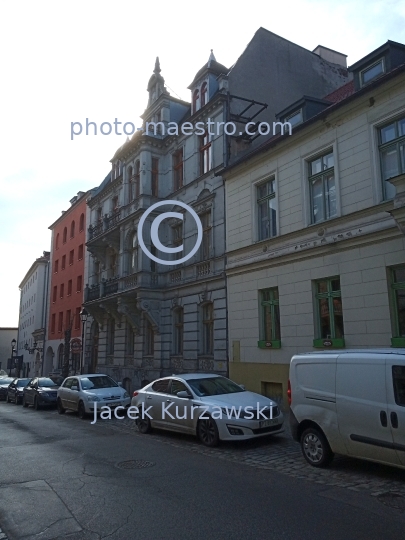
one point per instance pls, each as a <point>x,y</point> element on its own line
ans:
<point>61,477</point>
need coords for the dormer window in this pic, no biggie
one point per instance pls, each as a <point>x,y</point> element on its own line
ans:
<point>196,96</point>
<point>203,94</point>
<point>372,72</point>
<point>295,118</point>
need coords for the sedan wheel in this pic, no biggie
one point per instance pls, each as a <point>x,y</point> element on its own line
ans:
<point>36,404</point>
<point>25,404</point>
<point>61,410</point>
<point>81,410</point>
<point>315,448</point>
<point>144,425</point>
<point>207,432</point>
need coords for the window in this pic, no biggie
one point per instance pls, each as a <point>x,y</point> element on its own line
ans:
<point>53,323</point>
<point>55,294</point>
<point>267,213</point>
<point>149,339</point>
<point>81,223</point>
<point>294,118</point>
<point>208,329</point>
<point>155,177</point>
<point>392,152</point>
<point>69,288</point>
<point>329,313</point>
<point>134,254</point>
<point>205,249</point>
<point>77,318</point>
<point>177,239</point>
<point>57,242</point>
<point>64,235</point>
<point>114,204</point>
<point>60,322</point>
<point>97,272</point>
<point>71,256</point>
<point>178,331</point>
<point>62,290</point>
<point>68,318</point>
<point>72,229</point>
<point>63,262</point>
<point>99,215</point>
<point>372,72</point>
<point>135,182</point>
<point>203,94</point>
<point>79,284</point>
<point>80,252</point>
<point>110,336</point>
<point>398,379</point>
<point>56,266</point>
<point>161,386</point>
<point>269,318</point>
<point>397,286</point>
<point>322,187</point>
<point>178,169</point>
<point>196,96</point>
<point>129,344</point>
<point>205,153</point>
<point>178,386</point>
<point>153,264</point>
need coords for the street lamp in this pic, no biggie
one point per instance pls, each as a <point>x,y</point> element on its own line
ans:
<point>83,317</point>
<point>13,344</point>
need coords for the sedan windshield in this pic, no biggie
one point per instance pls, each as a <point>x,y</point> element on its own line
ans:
<point>46,382</point>
<point>92,383</point>
<point>23,382</point>
<point>7,381</point>
<point>214,386</point>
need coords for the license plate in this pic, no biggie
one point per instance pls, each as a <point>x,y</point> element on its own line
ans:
<point>267,423</point>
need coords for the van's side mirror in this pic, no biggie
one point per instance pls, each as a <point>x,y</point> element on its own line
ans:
<point>184,394</point>
<point>75,388</point>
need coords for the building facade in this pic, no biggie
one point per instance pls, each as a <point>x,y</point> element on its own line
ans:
<point>34,289</point>
<point>152,319</point>
<point>315,229</point>
<point>7,334</point>
<point>67,283</point>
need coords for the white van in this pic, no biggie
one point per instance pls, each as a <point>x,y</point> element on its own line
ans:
<point>349,402</point>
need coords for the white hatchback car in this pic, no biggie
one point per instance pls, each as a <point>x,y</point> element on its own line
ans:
<point>80,392</point>
<point>207,405</point>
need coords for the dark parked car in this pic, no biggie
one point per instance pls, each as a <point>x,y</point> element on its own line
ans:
<point>15,390</point>
<point>40,391</point>
<point>4,384</point>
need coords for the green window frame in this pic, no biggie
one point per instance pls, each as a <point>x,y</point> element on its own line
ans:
<point>397,290</point>
<point>391,140</point>
<point>329,313</point>
<point>270,337</point>
<point>321,177</point>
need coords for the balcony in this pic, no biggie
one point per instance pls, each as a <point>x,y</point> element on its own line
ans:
<point>93,292</point>
<point>121,284</point>
<point>203,269</point>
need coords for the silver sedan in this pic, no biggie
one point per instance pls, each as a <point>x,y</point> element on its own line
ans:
<point>207,405</point>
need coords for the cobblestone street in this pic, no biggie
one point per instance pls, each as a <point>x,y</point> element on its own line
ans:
<point>280,453</point>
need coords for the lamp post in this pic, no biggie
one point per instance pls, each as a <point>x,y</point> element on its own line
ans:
<point>83,317</point>
<point>13,343</point>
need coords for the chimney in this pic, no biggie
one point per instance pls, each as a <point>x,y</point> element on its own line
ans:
<point>331,56</point>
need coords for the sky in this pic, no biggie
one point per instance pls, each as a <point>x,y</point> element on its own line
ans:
<point>63,62</point>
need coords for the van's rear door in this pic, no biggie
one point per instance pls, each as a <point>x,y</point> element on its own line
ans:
<point>361,404</point>
<point>395,376</point>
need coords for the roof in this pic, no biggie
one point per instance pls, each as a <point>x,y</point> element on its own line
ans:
<point>355,351</point>
<point>341,93</point>
<point>212,66</point>
<point>376,52</point>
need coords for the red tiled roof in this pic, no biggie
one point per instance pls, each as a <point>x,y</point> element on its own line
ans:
<point>341,93</point>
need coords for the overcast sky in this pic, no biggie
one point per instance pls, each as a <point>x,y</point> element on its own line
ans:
<point>68,61</point>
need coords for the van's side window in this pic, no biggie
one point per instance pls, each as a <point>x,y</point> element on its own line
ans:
<point>398,377</point>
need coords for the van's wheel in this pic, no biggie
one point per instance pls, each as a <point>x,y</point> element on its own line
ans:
<point>315,448</point>
<point>81,410</point>
<point>144,425</point>
<point>207,432</point>
<point>61,410</point>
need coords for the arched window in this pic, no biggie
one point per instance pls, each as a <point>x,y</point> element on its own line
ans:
<point>81,222</point>
<point>196,96</point>
<point>57,242</point>
<point>203,94</point>
<point>64,239</point>
<point>72,229</point>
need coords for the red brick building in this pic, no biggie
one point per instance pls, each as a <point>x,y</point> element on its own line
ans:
<point>66,291</point>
